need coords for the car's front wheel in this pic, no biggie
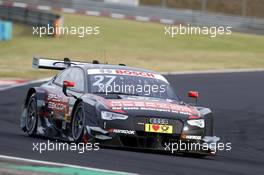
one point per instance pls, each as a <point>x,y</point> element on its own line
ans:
<point>31,117</point>
<point>78,123</point>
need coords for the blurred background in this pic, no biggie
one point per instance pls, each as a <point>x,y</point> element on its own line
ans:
<point>132,32</point>
<point>253,8</point>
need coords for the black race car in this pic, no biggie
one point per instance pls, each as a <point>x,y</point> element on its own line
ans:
<point>115,105</point>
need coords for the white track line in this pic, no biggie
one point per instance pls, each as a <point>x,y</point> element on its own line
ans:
<point>10,82</point>
<point>62,164</point>
<point>25,84</point>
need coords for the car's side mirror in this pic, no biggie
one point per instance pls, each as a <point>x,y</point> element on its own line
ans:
<point>67,84</point>
<point>194,94</point>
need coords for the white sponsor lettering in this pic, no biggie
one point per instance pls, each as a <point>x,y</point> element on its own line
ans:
<point>121,131</point>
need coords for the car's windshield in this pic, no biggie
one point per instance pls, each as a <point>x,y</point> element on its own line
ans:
<point>126,82</point>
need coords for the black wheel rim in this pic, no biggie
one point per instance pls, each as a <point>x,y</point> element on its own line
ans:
<point>78,124</point>
<point>31,115</point>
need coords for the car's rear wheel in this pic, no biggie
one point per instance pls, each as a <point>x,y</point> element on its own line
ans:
<point>32,117</point>
<point>78,123</point>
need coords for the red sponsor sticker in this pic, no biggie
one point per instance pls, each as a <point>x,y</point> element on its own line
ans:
<point>121,104</point>
<point>135,73</point>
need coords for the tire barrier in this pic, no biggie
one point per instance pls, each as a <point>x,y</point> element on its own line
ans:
<point>5,30</point>
<point>33,17</point>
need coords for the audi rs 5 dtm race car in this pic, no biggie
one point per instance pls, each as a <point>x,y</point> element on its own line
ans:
<point>115,105</point>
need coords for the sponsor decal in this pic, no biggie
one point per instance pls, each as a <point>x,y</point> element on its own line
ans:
<point>122,131</point>
<point>192,137</point>
<point>57,106</point>
<point>54,97</point>
<point>135,73</point>
<point>159,121</point>
<point>126,72</point>
<point>153,106</point>
<point>56,103</point>
<point>168,129</point>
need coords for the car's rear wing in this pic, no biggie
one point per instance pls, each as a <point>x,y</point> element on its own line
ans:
<point>46,63</point>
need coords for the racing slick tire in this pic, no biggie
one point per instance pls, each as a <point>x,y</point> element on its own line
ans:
<point>32,116</point>
<point>78,123</point>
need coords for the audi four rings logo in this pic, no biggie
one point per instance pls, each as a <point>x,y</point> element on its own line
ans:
<point>159,121</point>
<point>107,71</point>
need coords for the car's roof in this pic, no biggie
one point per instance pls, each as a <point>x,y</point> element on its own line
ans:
<point>109,66</point>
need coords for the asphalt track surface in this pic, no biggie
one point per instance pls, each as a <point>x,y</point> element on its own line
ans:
<point>237,100</point>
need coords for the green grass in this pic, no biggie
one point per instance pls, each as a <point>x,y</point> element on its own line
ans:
<point>133,43</point>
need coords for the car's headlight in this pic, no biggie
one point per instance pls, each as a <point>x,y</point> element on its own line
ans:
<point>199,123</point>
<point>112,116</point>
